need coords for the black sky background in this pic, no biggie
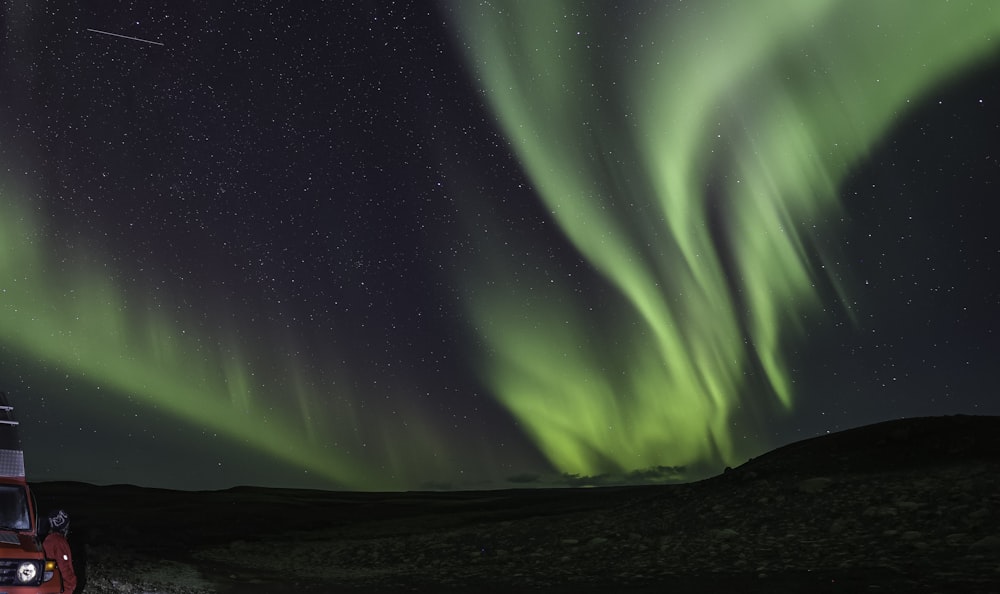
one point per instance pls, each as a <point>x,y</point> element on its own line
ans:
<point>296,173</point>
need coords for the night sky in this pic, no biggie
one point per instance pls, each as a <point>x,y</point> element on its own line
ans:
<point>414,245</point>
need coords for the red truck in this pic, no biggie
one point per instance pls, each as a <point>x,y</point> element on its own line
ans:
<point>23,566</point>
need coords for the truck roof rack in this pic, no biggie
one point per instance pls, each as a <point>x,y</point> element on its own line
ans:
<point>11,453</point>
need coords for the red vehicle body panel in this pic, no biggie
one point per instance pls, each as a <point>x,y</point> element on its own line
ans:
<point>19,540</point>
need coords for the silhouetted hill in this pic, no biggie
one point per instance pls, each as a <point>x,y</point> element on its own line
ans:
<point>888,446</point>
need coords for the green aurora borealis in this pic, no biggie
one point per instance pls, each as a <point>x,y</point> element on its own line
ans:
<point>690,164</point>
<point>71,317</point>
<point>691,153</point>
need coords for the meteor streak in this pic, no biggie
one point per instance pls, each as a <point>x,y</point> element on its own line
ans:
<point>125,37</point>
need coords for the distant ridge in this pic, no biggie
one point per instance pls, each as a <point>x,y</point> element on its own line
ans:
<point>901,444</point>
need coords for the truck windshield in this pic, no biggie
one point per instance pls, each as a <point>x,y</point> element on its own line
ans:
<point>14,508</point>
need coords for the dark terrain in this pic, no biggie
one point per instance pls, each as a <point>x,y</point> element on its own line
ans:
<point>902,506</point>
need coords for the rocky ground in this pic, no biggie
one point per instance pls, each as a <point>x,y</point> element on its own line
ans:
<point>908,506</point>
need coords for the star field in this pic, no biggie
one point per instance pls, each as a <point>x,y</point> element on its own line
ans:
<point>400,245</point>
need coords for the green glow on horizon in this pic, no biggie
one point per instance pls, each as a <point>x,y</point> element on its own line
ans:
<point>71,317</point>
<point>689,164</point>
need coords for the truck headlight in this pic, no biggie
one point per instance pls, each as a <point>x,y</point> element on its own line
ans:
<point>27,572</point>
